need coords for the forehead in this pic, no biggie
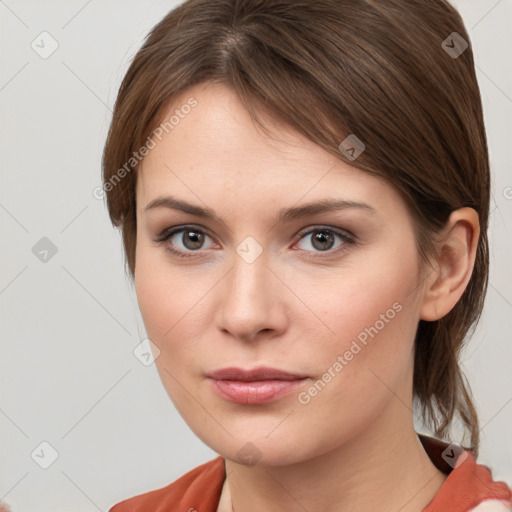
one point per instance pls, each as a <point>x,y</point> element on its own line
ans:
<point>215,153</point>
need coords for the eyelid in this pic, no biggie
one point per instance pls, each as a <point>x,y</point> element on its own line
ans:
<point>168,232</point>
<point>343,233</point>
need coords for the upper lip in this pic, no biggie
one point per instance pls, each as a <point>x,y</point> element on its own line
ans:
<point>255,374</point>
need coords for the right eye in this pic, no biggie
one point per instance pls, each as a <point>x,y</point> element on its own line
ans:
<point>183,241</point>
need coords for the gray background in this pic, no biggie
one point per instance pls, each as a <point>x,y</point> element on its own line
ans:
<point>69,325</point>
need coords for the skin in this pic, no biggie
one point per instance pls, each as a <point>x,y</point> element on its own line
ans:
<point>296,307</point>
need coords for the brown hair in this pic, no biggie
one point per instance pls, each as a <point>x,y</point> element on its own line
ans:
<point>329,68</point>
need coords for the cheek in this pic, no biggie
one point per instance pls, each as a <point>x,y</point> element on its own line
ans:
<point>161,293</point>
<point>154,294</point>
<point>373,294</point>
<point>168,301</point>
<point>172,304</point>
<point>374,316</point>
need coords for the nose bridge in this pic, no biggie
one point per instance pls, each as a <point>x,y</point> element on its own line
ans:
<point>248,281</point>
<point>247,305</point>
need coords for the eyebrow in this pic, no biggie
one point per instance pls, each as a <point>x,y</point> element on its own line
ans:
<point>285,214</point>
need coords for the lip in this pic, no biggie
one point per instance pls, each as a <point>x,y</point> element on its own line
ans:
<point>254,392</point>
<point>256,386</point>
<point>255,374</point>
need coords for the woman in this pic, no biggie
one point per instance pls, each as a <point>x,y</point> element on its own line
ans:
<point>303,191</point>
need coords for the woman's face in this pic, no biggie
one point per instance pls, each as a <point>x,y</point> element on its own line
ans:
<point>331,295</point>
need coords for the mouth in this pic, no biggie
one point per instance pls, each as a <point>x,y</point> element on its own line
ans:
<point>257,386</point>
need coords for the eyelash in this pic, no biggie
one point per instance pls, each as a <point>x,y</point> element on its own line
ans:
<point>168,233</point>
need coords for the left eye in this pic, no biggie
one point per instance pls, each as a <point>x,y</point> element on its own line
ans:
<point>323,239</point>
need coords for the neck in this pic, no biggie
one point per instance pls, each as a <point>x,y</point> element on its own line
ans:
<point>383,468</point>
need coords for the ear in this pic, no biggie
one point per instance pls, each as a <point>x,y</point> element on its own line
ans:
<point>456,251</point>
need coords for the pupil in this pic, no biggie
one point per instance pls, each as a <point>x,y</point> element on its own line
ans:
<point>197,239</point>
<point>321,239</point>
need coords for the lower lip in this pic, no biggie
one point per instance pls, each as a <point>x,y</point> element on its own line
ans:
<point>256,392</point>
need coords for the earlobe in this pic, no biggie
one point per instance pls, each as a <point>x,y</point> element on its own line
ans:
<point>456,254</point>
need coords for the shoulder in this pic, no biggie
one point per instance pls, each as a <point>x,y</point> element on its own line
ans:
<point>199,489</point>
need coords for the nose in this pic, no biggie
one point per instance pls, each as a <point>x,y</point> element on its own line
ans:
<point>251,301</point>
